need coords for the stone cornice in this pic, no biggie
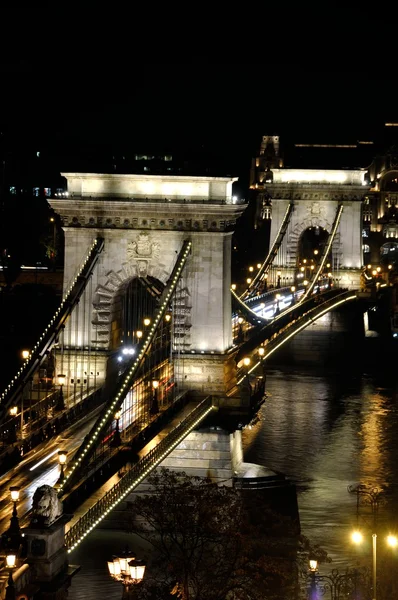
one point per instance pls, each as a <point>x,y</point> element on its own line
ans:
<point>317,192</point>
<point>128,214</point>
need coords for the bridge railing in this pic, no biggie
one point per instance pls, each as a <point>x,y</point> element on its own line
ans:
<point>136,474</point>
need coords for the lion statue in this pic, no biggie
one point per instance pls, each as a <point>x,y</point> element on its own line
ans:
<point>46,506</point>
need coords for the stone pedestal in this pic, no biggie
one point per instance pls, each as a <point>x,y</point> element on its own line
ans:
<point>46,549</point>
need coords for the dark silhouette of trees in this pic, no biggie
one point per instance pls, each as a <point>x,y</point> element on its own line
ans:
<point>210,542</point>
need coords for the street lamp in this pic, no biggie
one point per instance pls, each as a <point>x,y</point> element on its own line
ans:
<point>13,535</point>
<point>10,590</point>
<point>138,334</point>
<point>155,405</point>
<point>61,381</point>
<point>25,354</point>
<point>62,462</point>
<point>129,571</point>
<point>392,541</point>
<point>117,440</point>
<point>337,585</point>
<point>147,322</point>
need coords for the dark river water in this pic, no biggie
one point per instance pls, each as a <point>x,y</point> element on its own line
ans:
<point>326,432</point>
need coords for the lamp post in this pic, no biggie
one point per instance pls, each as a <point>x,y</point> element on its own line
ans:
<point>129,571</point>
<point>61,402</point>
<point>10,589</point>
<point>13,430</point>
<point>337,585</point>
<point>155,404</point>
<point>117,440</point>
<point>13,534</point>
<point>392,541</point>
<point>62,462</point>
<point>372,497</point>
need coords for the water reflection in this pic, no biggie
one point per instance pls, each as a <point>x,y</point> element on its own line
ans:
<point>325,433</point>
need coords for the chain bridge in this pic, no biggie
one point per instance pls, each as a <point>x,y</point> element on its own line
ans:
<point>153,344</point>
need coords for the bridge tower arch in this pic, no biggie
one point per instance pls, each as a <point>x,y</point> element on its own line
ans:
<point>144,221</point>
<point>316,195</point>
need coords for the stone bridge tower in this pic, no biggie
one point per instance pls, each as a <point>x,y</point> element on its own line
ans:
<point>144,220</point>
<point>316,194</point>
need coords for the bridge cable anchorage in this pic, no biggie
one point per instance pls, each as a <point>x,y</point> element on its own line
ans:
<point>271,254</point>
<point>136,474</point>
<point>289,329</point>
<point>106,416</point>
<point>46,341</point>
<point>325,253</point>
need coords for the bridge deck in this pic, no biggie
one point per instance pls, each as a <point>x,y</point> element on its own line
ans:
<point>99,493</point>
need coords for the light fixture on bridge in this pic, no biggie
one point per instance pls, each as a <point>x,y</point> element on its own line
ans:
<point>155,404</point>
<point>293,288</point>
<point>378,269</point>
<point>248,280</point>
<point>251,269</point>
<point>11,560</point>
<point>117,440</point>
<point>374,272</point>
<point>13,410</point>
<point>62,462</point>
<point>61,381</point>
<point>304,260</point>
<point>305,282</point>
<point>25,354</point>
<point>390,266</point>
<point>369,266</point>
<point>240,320</point>
<point>316,252</point>
<point>261,351</point>
<point>128,570</point>
<point>167,317</point>
<point>312,267</point>
<point>246,361</point>
<point>233,286</point>
<point>258,265</point>
<point>147,322</point>
<point>302,269</point>
<point>13,534</point>
<point>138,334</point>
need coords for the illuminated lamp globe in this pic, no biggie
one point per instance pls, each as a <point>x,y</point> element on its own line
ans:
<point>246,361</point>
<point>357,537</point>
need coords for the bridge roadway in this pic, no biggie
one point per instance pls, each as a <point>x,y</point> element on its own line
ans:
<point>41,467</point>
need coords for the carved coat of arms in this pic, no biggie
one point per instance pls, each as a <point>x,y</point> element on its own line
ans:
<point>142,251</point>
